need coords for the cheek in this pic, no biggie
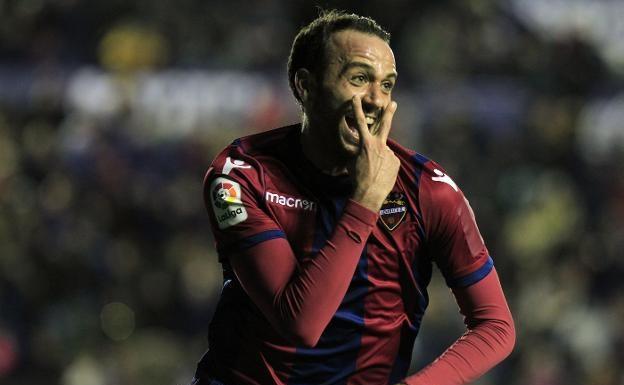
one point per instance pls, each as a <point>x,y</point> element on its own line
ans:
<point>337,95</point>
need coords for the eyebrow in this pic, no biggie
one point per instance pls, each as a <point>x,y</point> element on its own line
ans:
<point>365,66</point>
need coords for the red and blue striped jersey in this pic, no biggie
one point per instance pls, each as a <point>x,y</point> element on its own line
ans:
<point>261,187</point>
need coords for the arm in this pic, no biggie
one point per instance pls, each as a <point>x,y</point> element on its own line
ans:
<point>489,338</point>
<point>299,300</point>
<point>463,259</point>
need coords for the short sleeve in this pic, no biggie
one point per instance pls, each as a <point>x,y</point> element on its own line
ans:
<point>233,191</point>
<point>454,240</point>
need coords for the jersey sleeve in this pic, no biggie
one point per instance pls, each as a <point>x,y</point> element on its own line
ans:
<point>454,240</point>
<point>489,338</point>
<point>233,195</point>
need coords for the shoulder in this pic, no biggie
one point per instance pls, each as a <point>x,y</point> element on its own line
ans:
<point>426,173</point>
<point>436,190</point>
<point>243,159</point>
<point>444,206</point>
<point>436,183</point>
<point>234,183</point>
<point>264,141</point>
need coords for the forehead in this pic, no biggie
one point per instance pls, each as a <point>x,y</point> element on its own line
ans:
<point>346,46</point>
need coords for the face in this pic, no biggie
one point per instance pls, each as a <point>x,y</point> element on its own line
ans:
<point>357,63</point>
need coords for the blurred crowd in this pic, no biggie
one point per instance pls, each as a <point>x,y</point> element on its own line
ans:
<point>111,111</point>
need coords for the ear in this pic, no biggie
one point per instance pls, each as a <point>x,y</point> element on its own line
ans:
<point>303,84</point>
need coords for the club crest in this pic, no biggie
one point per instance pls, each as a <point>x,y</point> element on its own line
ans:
<point>393,210</point>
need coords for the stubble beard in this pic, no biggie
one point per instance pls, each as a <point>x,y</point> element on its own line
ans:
<point>336,139</point>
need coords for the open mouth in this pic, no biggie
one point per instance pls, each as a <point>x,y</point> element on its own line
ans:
<point>352,123</point>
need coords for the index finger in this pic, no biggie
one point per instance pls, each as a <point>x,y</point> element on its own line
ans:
<point>360,119</point>
<point>386,121</point>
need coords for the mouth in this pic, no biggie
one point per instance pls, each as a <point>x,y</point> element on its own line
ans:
<point>352,122</point>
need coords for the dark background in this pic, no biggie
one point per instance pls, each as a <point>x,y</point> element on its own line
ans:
<point>111,111</point>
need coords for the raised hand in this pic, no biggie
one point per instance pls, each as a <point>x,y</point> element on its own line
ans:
<point>375,168</point>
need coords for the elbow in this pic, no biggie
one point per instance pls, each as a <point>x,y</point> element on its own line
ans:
<point>304,336</point>
<point>305,341</point>
<point>510,337</point>
<point>302,329</point>
<point>506,336</point>
<point>297,333</point>
<point>499,333</point>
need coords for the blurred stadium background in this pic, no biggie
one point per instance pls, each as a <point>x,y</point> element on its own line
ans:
<point>110,112</point>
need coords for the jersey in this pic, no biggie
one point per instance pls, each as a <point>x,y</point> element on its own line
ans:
<point>262,187</point>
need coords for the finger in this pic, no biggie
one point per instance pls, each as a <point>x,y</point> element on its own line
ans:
<point>386,121</point>
<point>360,119</point>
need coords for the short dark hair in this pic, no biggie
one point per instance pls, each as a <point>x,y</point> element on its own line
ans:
<point>308,49</point>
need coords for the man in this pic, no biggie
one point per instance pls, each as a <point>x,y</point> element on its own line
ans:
<point>327,232</point>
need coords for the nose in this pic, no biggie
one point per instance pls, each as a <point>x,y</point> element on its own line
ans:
<point>373,99</point>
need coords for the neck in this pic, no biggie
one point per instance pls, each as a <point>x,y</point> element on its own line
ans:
<point>320,151</point>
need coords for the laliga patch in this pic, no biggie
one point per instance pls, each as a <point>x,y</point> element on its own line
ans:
<point>393,210</point>
<point>226,200</point>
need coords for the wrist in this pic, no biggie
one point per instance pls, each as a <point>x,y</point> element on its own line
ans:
<point>368,200</point>
<point>361,212</point>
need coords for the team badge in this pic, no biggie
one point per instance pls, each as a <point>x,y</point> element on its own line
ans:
<point>226,200</point>
<point>393,210</point>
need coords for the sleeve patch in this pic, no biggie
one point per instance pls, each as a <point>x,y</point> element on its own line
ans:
<point>226,199</point>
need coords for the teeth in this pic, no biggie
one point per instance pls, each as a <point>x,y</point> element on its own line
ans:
<point>369,119</point>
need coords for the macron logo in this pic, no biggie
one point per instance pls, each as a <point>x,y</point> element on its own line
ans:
<point>296,203</point>
<point>442,177</point>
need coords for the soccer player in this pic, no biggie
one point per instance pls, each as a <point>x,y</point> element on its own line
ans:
<point>327,232</point>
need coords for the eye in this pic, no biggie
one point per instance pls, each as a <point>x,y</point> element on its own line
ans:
<point>358,79</point>
<point>387,86</point>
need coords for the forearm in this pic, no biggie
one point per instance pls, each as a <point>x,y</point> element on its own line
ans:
<point>299,299</point>
<point>489,339</point>
<point>307,304</point>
